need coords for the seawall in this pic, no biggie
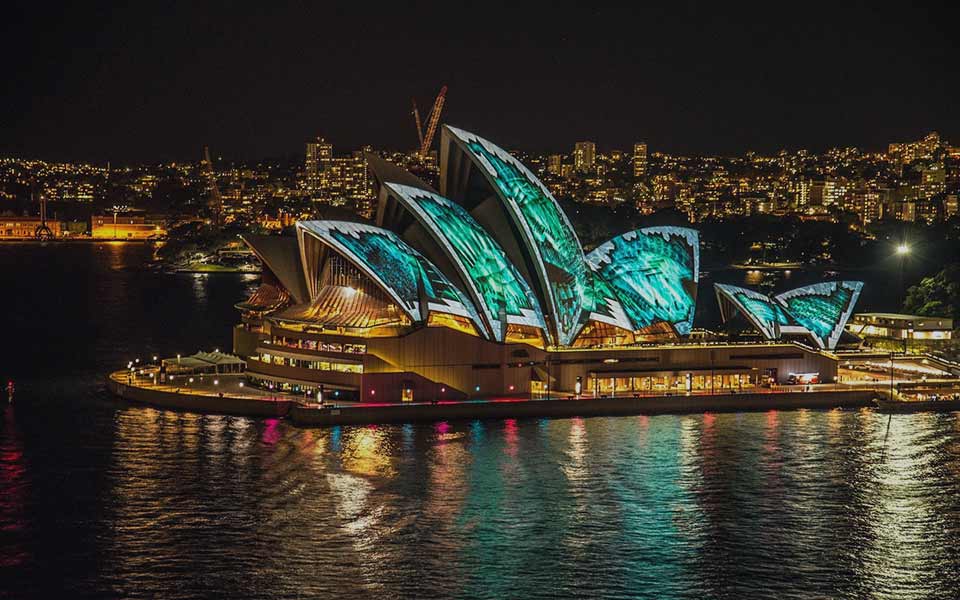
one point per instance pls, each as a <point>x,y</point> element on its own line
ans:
<point>226,405</point>
<point>586,407</point>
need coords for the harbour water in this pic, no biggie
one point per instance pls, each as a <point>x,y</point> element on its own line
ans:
<point>100,499</point>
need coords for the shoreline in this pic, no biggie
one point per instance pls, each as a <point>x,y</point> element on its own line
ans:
<point>304,415</point>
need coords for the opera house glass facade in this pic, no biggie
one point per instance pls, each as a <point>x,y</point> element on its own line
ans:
<point>482,288</point>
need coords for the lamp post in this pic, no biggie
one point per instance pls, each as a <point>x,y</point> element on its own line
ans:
<point>903,250</point>
<point>891,376</point>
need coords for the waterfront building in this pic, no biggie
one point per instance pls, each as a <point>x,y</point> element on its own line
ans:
<point>913,330</point>
<point>951,206</point>
<point>25,228</point>
<point>481,288</point>
<point>126,226</point>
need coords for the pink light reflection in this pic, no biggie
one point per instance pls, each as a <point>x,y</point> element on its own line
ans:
<point>271,432</point>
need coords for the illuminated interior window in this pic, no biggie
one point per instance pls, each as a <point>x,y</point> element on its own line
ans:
<point>524,334</point>
<point>598,334</point>
<point>452,321</point>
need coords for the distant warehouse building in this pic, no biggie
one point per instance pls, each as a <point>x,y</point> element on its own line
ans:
<point>127,226</point>
<point>482,289</point>
<point>25,228</point>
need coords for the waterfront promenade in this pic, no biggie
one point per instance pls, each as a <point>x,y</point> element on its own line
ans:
<point>225,394</point>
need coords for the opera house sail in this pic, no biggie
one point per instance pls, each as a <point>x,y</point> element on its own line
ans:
<point>654,272</point>
<point>819,311</point>
<point>494,283</point>
<point>482,287</point>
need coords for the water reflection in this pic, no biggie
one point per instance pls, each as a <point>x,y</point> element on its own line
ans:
<point>13,491</point>
<point>801,504</point>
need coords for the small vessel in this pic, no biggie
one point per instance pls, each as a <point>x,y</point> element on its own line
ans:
<point>931,404</point>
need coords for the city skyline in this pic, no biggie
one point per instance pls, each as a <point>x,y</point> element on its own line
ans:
<point>132,84</point>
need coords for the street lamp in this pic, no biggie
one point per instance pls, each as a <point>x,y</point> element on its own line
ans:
<point>903,249</point>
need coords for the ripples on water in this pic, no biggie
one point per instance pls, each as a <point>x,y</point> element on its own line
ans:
<point>783,504</point>
<point>102,499</point>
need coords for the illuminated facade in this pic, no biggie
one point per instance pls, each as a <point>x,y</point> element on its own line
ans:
<point>819,311</point>
<point>410,280</point>
<point>654,272</point>
<point>482,288</point>
<point>495,284</point>
<point>125,226</point>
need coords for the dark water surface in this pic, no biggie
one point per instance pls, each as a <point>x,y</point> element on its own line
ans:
<point>107,500</point>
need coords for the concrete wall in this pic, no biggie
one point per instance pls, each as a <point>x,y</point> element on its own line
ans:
<point>197,403</point>
<point>245,342</point>
<point>579,408</point>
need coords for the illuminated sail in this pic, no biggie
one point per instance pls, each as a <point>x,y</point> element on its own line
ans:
<point>544,231</point>
<point>763,312</point>
<point>654,272</point>
<point>823,308</point>
<point>496,286</point>
<point>402,272</point>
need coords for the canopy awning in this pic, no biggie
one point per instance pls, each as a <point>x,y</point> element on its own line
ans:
<point>206,362</point>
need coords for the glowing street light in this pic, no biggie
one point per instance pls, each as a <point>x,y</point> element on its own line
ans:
<point>903,249</point>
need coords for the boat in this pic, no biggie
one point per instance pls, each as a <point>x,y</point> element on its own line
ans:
<point>941,404</point>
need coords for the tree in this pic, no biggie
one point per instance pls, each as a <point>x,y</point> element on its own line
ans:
<point>937,296</point>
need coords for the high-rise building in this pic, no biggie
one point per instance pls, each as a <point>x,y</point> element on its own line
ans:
<point>905,153</point>
<point>951,206</point>
<point>639,159</point>
<point>584,156</point>
<point>319,154</point>
<point>834,192</point>
<point>933,181</point>
<point>555,164</point>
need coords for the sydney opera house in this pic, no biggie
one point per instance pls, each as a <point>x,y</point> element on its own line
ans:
<point>482,289</point>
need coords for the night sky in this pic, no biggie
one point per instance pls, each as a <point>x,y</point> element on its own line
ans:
<point>148,82</point>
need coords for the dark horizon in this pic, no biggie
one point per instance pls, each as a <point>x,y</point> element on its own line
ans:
<point>136,85</point>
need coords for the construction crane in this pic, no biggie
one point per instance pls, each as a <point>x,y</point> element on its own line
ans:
<point>416,118</point>
<point>426,139</point>
<point>432,122</point>
<point>215,202</point>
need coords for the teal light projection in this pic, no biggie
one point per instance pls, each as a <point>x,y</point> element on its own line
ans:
<point>607,307</point>
<point>498,288</point>
<point>398,268</point>
<point>547,233</point>
<point>654,272</point>
<point>763,312</point>
<point>823,308</point>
